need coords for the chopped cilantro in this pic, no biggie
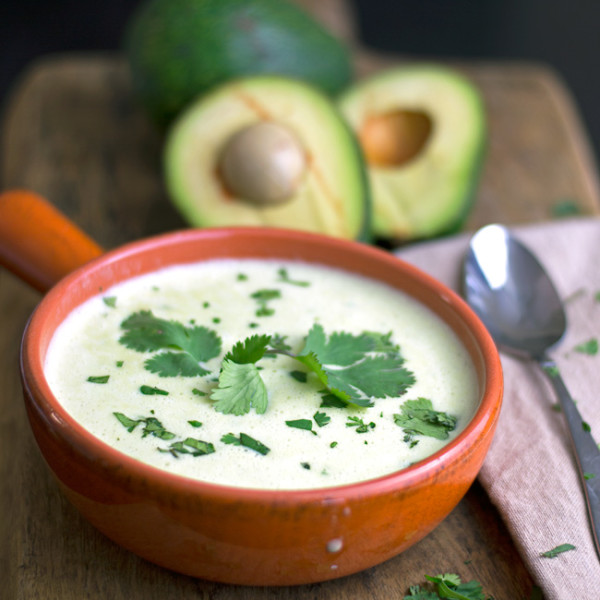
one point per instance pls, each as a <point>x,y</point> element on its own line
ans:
<point>129,424</point>
<point>189,446</point>
<point>242,277</point>
<point>419,418</point>
<point>152,391</point>
<point>590,347</point>
<point>195,423</point>
<point>321,419</point>
<point>110,301</point>
<point>98,378</point>
<point>333,444</point>
<point>246,441</point>
<point>179,349</point>
<point>263,297</point>
<point>152,426</point>
<point>198,392</point>
<point>557,550</point>
<point>361,426</point>
<point>285,278</point>
<point>300,376</point>
<point>120,363</point>
<point>305,465</point>
<point>301,424</point>
<point>588,476</point>
<point>586,427</point>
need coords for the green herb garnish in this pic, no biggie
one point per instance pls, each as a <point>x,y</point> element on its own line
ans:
<point>148,390</point>
<point>98,378</point>
<point>189,446</point>
<point>301,424</point>
<point>590,347</point>
<point>285,278</point>
<point>349,367</point>
<point>447,586</point>
<point>152,426</point>
<point>246,441</point>
<point>419,418</point>
<point>195,423</point>
<point>321,419</point>
<point>361,426</point>
<point>263,297</point>
<point>558,550</point>
<point>179,349</point>
<point>110,301</point>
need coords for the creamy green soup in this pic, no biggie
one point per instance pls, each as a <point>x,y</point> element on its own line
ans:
<point>263,374</point>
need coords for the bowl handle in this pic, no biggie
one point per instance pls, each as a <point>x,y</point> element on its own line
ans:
<point>37,242</point>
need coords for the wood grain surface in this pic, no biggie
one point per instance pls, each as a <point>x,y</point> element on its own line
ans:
<point>72,132</point>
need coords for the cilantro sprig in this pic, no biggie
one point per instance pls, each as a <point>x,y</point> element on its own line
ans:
<point>447,586</point>
<point>179,350</point>
<point>353,368</point>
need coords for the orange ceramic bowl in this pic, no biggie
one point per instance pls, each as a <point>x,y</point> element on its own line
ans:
<point>244,536</point>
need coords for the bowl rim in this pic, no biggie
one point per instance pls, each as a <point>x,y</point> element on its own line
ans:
<point>36,338</point>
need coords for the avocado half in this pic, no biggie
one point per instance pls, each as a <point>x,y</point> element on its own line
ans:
<point>178,49</point>
<point>267,151</point>
<point>423,132</point>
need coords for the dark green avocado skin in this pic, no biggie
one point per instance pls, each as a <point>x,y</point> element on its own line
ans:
<point>178,49</point>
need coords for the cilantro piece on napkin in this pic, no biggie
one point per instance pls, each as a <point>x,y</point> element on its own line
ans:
<point>557,550</point>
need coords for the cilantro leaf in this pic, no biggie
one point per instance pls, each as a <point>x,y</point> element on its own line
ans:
<point>98,378</point>
<point>251,350</point>
<point>419,418</point>
<point>240,388</point>
<point>187,346</point>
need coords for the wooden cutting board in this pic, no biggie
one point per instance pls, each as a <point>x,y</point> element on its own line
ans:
<point>72,132</point>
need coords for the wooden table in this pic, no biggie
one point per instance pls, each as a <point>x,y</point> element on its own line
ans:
<point>73,133</point>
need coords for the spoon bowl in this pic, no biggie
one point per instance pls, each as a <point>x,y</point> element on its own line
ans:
<point>514,297</point>
<point>511,293</point>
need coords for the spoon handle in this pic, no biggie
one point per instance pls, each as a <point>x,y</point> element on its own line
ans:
<point>587,452</point>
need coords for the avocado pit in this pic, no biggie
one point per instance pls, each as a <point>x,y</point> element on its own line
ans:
<point>394,138</point>
<point>262,164</point>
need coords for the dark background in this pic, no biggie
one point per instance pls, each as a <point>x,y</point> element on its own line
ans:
<point>565,34</point>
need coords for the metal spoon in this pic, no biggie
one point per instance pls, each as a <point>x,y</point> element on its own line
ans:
<point>514,297</point>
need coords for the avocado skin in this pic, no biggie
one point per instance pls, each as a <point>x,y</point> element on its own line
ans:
<point>178,49</point>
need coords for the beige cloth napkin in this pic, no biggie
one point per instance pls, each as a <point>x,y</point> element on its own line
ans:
<point>529,472</point>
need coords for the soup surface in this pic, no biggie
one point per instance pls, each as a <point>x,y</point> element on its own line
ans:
<point>263,374</point>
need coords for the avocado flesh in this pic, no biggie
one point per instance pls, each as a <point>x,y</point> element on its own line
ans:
<point>178,49</point>
<point>332,196</point>
<point>432,193</point>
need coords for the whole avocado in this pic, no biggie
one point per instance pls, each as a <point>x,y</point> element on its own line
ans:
<point>178,49</point>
